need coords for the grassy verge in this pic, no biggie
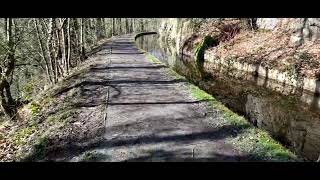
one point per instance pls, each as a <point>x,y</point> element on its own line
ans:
<point>46,115</point>
<point>252,140</point>
<point>152,58</point>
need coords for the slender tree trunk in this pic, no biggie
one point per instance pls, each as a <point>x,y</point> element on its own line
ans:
<point>82,39</point>
<point>62,46</point>
<point>50,50</point>
<point>141,25</point>
<point>47,67</point>
<point>77,41</point>
<point>133,25</point>
<point>105,27</point>
<point>58,51</point>
<point>69,45</point>
<point>113,26</point>
<point>100,29</point>
<point>6,28</point>
<point>120,27</point>
<point>127,27</point>
<point>55,49</point>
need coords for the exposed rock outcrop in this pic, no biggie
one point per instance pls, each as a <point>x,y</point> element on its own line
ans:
<point>300,29</point>
<point>282,49</point>
<point>176,31</point>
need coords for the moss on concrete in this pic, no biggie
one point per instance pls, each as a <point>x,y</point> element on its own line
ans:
<point>199,49</point>
<point>252,140</point>
<point>152,58</point>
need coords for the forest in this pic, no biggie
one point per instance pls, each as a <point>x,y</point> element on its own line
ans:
<point>37,52</point>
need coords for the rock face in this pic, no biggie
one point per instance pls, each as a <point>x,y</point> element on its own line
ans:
<point>292,32</point>
<point>290,78</point>
<point>267,23</point>
<point>176,31</point>
<point>297,129</point>
<point>301,29</point>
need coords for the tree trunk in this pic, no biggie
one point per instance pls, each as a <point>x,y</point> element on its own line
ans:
<point>77,41</point>
<point>82,39</point>
<point>120,27</point>
<point>43,51</point>
<point>7,102</point>
<point>100,29</point>
<point>62,46</point>
<point>133,25</point>
<point>51,50</point>
<point>141,25</point>
<point>69,45</point>
<point>127,27</point>
<point>113,26</point>
<point>105,27</point>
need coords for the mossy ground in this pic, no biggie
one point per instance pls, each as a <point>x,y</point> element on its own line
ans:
<point>152,59</point>
<point>252,140</point>
<point>46,114</point>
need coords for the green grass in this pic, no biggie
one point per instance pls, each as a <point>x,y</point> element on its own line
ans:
<point>270,148</point>
<point>155,60</point>
<point>172,73</point>
<point>61,116</point>
<point>20,136</point>
<point>34,108</point>
<point>252,140</point>
<point>152,58</point>
<point>199,94</point>
<point>87,156</point>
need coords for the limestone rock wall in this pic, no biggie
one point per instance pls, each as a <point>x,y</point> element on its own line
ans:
<point>301,29</point>
<point>175,32</point>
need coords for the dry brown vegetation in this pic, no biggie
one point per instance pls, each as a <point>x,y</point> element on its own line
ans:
<point>271,49</point>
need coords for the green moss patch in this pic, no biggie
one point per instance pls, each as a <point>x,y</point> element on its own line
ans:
<point>199,49</point>
<point>169,71</point>
<point>87,156</point>
<point>172,73</point>
<point>252,140</point>
<point>34,108</point>
<point>199,94</point>
<point>152,58</point>
<point>20,137</point>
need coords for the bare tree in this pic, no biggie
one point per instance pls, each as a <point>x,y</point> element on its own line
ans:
<point>7,102</point>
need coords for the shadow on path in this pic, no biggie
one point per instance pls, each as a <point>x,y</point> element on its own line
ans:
<point>73,147</point>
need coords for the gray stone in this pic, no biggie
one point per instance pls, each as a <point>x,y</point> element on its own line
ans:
<point>295,40</point>
<point>267,23</point>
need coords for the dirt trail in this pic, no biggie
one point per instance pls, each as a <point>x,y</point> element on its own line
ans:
<point>150,115</point>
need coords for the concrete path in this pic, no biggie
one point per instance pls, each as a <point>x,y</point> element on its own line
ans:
<point>150,115</point>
